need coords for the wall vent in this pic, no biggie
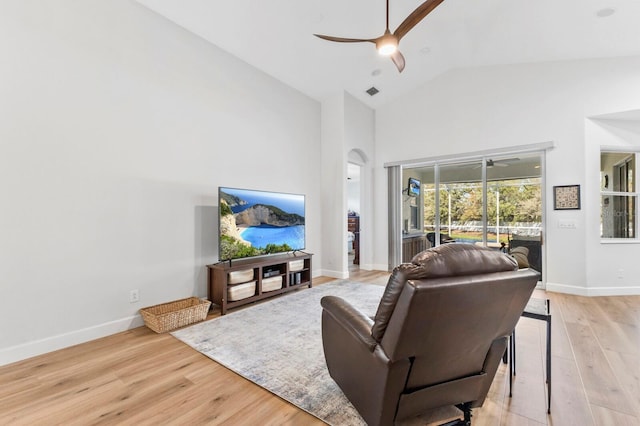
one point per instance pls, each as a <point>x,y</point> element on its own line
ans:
<point>372,91</point>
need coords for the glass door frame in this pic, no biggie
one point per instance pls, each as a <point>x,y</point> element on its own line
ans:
<point>395,189</point>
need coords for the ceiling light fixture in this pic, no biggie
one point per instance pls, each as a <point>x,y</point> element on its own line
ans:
<point>387,44</point>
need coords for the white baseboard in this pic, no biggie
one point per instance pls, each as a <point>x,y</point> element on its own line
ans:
<point>334,274</point>
<point>61,341</point>
<point>345,274</point>
<point>613,291</point>
<point>371,267</point>
<point>380,267</point>
<point>593,291</point>
<point>568,289</point>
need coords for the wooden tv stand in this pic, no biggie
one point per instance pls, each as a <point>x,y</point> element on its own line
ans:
<point>272,266</point>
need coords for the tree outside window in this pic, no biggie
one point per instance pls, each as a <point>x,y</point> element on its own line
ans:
<point>513,206</point>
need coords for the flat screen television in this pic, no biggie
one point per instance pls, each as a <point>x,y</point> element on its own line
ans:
<point>413,188</point>
<point>256,223</point>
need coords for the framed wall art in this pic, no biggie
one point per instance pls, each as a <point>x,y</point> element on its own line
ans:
<point>566,197</point>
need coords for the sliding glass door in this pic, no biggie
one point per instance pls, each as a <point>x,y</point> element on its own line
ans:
<point>514,205</point>
<point>493,202</point>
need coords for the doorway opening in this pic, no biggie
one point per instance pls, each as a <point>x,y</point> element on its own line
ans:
<point>354,178</point>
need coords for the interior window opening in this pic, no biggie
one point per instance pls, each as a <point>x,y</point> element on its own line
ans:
<point>618,196</point>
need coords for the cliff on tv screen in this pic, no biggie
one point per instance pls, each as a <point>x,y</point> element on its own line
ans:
<point>256,223</point>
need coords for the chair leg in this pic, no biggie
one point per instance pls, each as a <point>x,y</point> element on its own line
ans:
<point>511,366</point>
<point>457,422</point>
<point>548,365</point>
<point>466,409</point>
<point>466,421</point>
<point>514,351</point>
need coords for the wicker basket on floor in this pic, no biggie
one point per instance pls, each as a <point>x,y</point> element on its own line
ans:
<point>172,315</point>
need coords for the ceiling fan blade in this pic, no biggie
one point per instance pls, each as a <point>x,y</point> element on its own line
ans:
<point>398,59</point>
<point>345,40</point>
<point>415,17</point>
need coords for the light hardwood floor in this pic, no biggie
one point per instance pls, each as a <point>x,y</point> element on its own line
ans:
<point>139,377</point>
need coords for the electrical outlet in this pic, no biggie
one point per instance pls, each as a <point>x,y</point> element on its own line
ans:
<point>134,296</point>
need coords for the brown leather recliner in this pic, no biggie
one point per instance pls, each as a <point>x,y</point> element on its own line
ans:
<point>437,337</point>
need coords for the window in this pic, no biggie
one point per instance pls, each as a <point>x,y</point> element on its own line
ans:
<point>618,196</point>
<point>496,209</point>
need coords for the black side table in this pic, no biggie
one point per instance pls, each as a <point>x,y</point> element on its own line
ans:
<point>537,309</point>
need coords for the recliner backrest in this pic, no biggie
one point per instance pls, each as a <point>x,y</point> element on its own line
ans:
<point>446,308</point>
<point>447,325</point>
<point>448,260</point>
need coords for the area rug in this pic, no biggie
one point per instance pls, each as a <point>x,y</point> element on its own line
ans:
<point>278,345</point>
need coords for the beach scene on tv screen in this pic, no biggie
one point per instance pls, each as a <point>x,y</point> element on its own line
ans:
<point>255,223</point>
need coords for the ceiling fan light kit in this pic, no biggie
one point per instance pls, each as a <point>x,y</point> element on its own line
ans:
<point>387,44</point>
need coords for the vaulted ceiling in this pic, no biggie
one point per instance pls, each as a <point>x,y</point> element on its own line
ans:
<point>277,37</point>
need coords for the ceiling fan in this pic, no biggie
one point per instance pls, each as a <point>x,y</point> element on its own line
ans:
<point>387,44</point>
<point>498,163</point>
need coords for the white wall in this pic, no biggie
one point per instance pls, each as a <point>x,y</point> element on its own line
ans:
<point>334,176</point>
<point>360,137</point>
<point>347,124</point>
<point>116,128</point>
<point>503,106</point>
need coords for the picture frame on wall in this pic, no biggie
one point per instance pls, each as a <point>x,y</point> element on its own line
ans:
<point>566,197</point>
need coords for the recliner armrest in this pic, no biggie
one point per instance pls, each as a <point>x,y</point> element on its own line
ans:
<point>355,322</point>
